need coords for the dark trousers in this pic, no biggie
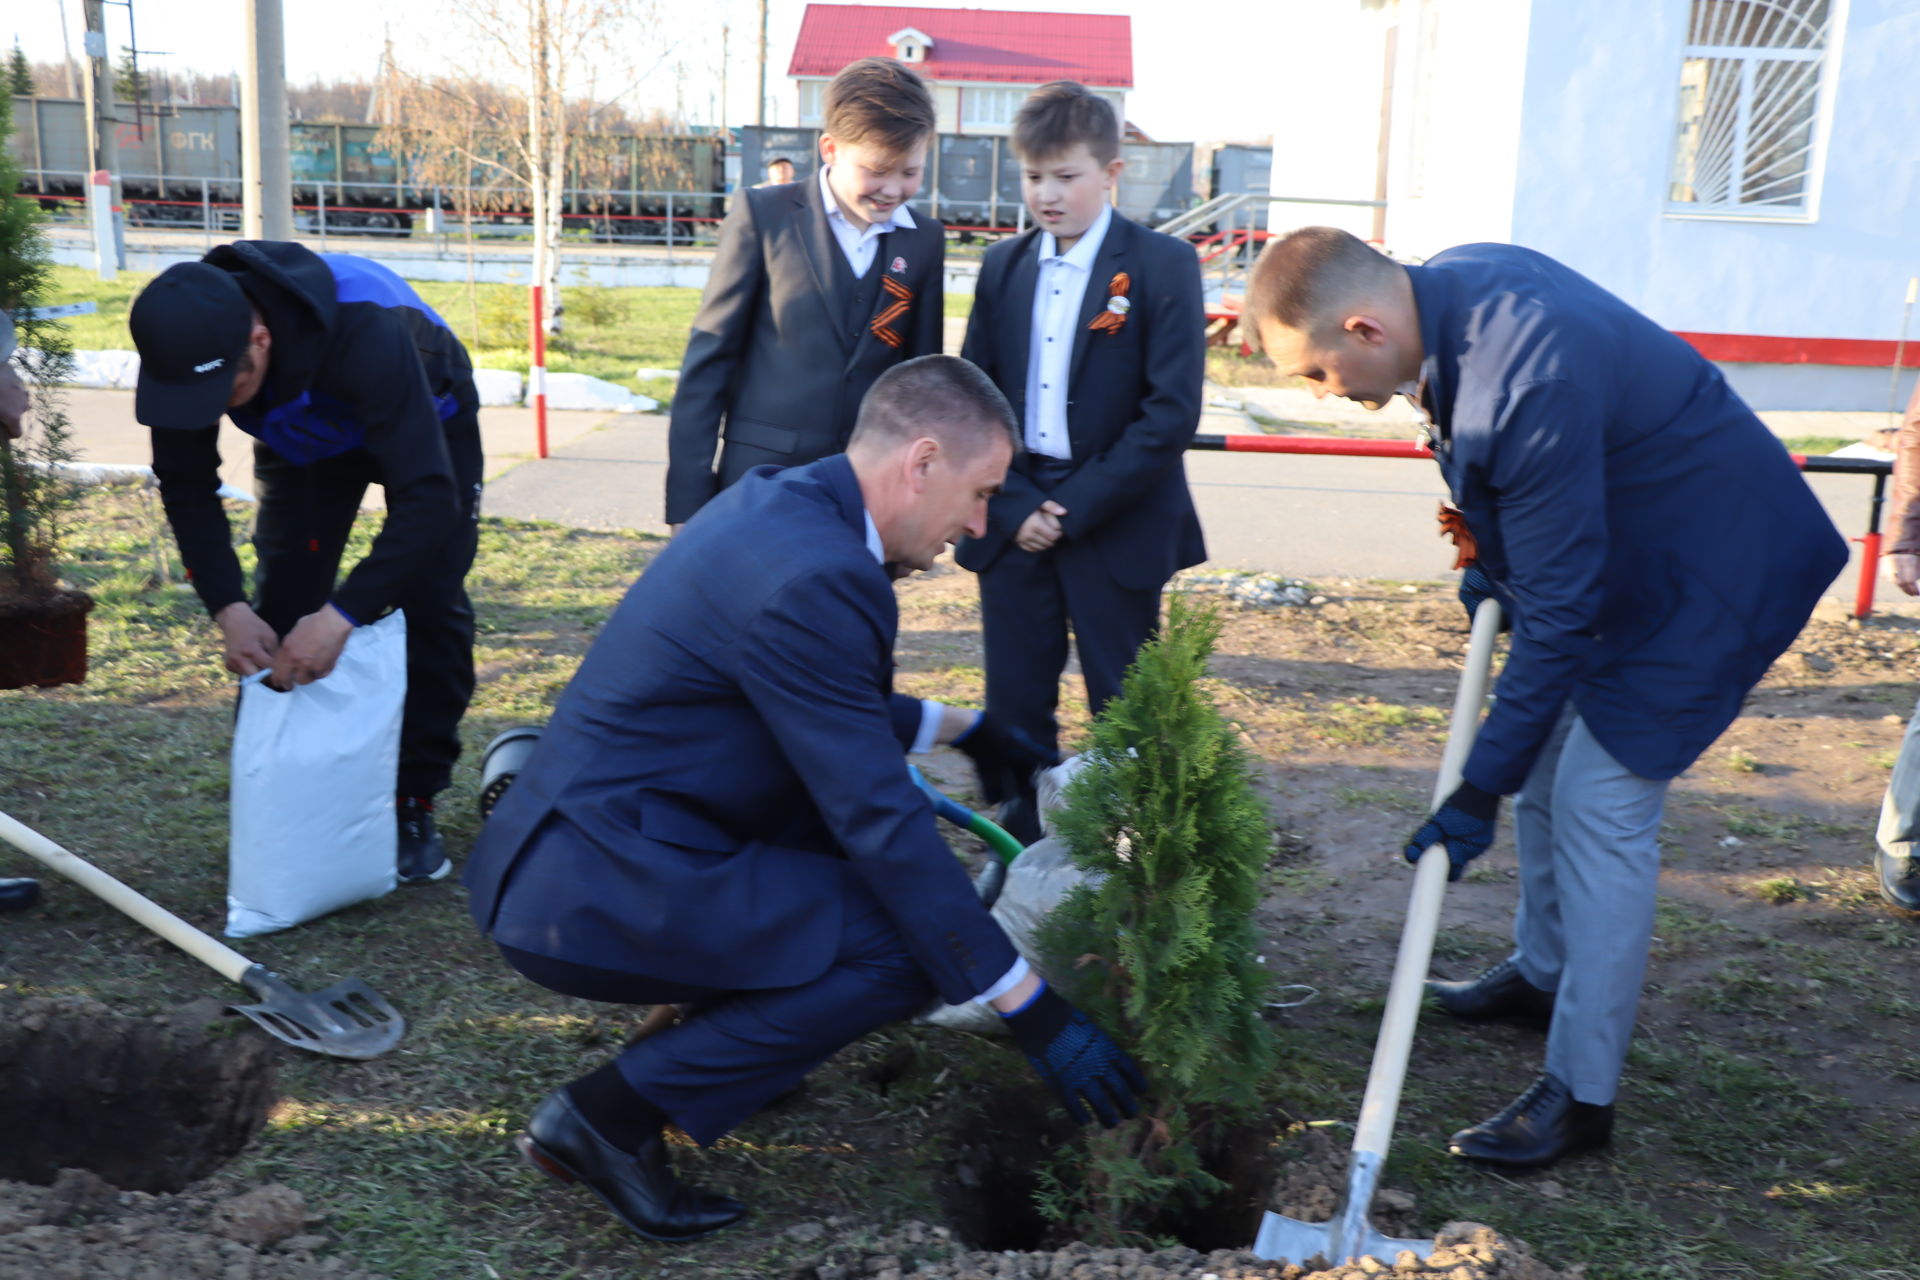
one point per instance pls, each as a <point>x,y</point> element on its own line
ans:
<point>742,1049</point>
<point>1028,601</point>
<point>306,514</point>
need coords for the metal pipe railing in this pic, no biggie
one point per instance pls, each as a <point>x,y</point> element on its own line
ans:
<point>1348,447</point>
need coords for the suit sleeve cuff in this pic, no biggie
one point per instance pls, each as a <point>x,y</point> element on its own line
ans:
<point>931,713</point>
<point>1014,977</point>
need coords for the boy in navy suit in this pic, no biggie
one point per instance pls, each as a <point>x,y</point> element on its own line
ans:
<point>817,288</point>
<point>1092,326</point>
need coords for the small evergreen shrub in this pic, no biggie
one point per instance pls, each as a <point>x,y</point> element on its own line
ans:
<point>34,496</point>
<point>1160,947</point>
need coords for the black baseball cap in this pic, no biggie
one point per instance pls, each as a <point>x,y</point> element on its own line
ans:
<point>191,326</point>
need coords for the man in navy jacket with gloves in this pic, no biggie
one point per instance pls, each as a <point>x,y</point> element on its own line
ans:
<point>344,378</point>
<point>1656,550</point>
<point>720,815</point>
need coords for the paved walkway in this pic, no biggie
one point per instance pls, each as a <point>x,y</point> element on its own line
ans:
<point>1313,517</point>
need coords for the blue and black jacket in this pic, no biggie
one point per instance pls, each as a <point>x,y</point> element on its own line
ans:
<point>358,362</point>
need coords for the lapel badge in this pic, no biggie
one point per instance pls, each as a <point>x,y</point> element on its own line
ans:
<point>899,265</point>
<point>1118,304</point>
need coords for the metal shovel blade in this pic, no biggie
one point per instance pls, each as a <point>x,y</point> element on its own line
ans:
<point>1291,1240</point>
<point>346,1020</point>
<point>1346,1239</point>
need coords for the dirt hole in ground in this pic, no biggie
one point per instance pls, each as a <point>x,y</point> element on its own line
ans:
<point>148,1104</point>
<point>989,1187</point>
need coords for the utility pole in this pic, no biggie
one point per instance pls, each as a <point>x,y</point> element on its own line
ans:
<point>265,168</point>
<point>103,145</point>
<point>760,106</point>
<point>66,47</point>
<point>724,29</point>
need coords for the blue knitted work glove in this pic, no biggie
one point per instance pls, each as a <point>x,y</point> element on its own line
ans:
<point>1076,1059</point>
<point>1464,823</point>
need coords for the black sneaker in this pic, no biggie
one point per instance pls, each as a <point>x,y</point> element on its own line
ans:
<point>18,894</point>
<point>423,857</point>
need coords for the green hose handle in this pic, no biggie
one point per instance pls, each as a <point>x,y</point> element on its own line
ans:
<point>998,839</point>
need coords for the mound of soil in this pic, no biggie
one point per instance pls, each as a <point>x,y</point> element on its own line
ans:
<point>82,1228</point>
<point>1464,1251</point>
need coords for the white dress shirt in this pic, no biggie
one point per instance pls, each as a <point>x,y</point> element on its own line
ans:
<point>930,712</point>
<point>1060,288</point>
<point>859,243</point>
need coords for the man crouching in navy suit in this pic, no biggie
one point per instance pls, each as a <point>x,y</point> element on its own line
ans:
<point>720,815</point>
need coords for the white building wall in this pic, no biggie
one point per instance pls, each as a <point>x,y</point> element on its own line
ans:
<point>1460,68</point>
<point>1330,63</point>
<point>1596,143</point>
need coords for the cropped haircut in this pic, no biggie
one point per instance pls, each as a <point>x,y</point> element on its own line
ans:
<point>1303,279</point>
<point>944,397</point>
<point>878,103</point>
<point>1056,116</point>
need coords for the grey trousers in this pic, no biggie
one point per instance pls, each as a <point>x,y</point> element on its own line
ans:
<point>1900,810</point>
<point>1588,831</point>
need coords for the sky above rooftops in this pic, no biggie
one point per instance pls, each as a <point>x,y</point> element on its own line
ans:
<point>1196,68</point>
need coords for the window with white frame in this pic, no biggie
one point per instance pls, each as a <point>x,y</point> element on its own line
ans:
<point>990,108</point>
<point>812,101</point>
<point>1750,102</point>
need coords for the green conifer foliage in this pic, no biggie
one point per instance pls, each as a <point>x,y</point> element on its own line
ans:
<point>34,496</point>
<point>1161,948</point>
<point>19,71</point>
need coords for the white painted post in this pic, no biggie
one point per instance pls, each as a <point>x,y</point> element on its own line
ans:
<point>100,212</point>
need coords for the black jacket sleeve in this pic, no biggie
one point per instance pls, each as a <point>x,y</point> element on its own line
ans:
<point>721,330</point>
<point>929,336</point>
<point>382,378</point>
<point>187,465</point>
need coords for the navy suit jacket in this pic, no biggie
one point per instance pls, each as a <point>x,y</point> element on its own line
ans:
<point>1657,544</point>
<point>727,767</point>
<point>1133,403</point>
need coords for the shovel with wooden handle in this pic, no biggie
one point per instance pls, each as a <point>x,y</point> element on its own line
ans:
<point>346,1020</point>
<point>1350,1237</point>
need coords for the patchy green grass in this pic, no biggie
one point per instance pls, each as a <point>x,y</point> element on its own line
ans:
<point>1817,444</point>
<point>605,332</point>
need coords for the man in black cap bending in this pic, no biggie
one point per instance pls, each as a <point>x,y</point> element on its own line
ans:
<point>344,378</point>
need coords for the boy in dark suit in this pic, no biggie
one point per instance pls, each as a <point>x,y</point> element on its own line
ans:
<point>818,287</point>
<point>1092,326</point>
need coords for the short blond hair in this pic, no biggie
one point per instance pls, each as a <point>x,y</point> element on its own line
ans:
<point>1301,280</point>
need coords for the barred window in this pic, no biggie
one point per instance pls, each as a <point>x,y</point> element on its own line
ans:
<point>1750,98</point>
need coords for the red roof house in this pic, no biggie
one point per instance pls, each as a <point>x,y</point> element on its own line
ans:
<point>980,63</point>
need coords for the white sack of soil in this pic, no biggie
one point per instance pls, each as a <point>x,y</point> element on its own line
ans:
<point>312,797</point>
<point>1038,881</point>
<point>583,391</point>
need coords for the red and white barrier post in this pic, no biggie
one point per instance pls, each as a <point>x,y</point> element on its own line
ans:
<point>537,374</point>
<point>100,214</point>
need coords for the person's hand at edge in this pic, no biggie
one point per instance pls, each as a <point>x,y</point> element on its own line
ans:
<point>312,648</point>
<point>1076,1059</point>
<point>249,642</point>
<point>1464,823</point>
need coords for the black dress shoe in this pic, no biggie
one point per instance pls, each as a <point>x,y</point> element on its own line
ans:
<point>640,1188</point>
<point>18,894</point>
<point>1899,879</point>
<point>1500,994</point>
<point>1539,1127</point>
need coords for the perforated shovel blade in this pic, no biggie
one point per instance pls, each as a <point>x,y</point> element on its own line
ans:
<point>1296,1241</point>
<point>346,1020</point>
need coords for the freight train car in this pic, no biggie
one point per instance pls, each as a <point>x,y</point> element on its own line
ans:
<point>973,180</point>
<point>174,162</point>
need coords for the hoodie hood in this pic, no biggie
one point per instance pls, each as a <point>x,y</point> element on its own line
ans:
<point>295,293</point>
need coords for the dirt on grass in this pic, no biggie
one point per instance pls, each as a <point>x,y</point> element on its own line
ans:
<point>1766,1125</point>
